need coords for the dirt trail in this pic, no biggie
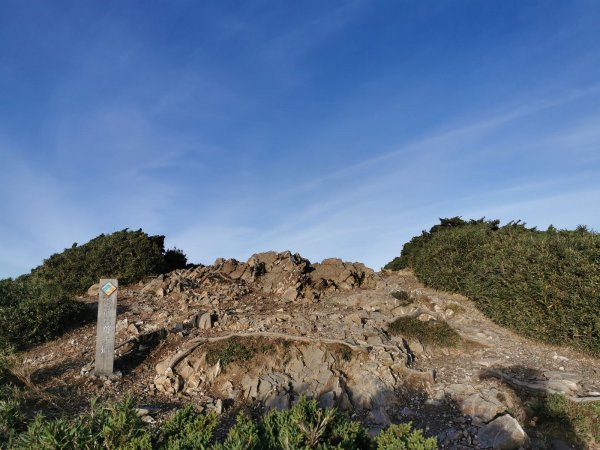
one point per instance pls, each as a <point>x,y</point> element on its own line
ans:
<point>319,330</point>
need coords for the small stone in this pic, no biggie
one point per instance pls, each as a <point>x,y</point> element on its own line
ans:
<point>141,412</point>
<point>94,290</point>
<point>205,321</point>
<point>121,325</point>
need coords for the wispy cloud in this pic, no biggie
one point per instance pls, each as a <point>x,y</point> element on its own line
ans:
<point>366,211</point>
<point>331,130</point>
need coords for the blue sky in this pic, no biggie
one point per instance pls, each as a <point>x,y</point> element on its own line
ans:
<point>328,128</point>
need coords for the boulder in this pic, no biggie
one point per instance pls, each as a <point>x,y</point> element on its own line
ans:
<point>503,433</point>
<point>154,286</point>
<point>481,409</point>
<point>334,274</point>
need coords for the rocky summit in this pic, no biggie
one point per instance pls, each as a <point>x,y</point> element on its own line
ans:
<point>263,333</point>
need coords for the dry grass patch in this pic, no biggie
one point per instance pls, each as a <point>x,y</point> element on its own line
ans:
<point>236,349</point>
<point>433,332</point>
<point>455,308</point>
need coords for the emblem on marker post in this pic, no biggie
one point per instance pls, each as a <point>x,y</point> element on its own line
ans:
<point>108,288</point>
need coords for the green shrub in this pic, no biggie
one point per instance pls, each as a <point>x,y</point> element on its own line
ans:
<point>188,430</point>
<point>5,365</point>
<point>542,284</point>
<point>402,437</point>
<point>33,312</point>
<point>174,259</point>
<point>53,434</point>
<point>12,419</point>
<point>38,307</point>
<point>119,426</point>
<point>434,332</point>
<point>126,255</point>
<point>115,427</point>
<point>306,426</point>
<point>417,243</point>
<point>244,435</point>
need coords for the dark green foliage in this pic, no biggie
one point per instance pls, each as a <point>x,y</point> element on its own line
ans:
<point>110,428</point>
<point>5,365</point>
<point>434,332</point>
<point>305,426</point>
<point>414,246</point>
<point>543,284</point>
<point>38,307</point>
<point>126,255</point>
<point>188,430</point>
<point>417,243</point>
<point>244,435</point>
<point>33,312</point>
<point>174,259</point>
<point>402,437</point>
<point>12,419</point>
<point>345,353</point>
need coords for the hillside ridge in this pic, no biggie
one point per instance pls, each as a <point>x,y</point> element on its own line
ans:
<point>266,331</point>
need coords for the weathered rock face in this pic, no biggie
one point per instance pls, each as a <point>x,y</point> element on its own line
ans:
<point>286,275</point>
<point>333,274</point>
<point>333,374</point>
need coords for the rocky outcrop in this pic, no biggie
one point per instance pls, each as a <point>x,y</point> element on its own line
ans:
<point>322,330</point>
<point>286,275</point>
<point>282,370</point>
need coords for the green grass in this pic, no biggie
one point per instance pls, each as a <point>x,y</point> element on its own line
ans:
<point>433,332</point>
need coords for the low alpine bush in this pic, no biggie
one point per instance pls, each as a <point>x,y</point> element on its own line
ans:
<point>303,427</point>
<point>39,306</point>
<point>542,284</point>
<point>32,312</point>
<point>126,255</point>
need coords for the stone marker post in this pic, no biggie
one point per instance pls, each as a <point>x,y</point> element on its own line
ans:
<point>105,334</point>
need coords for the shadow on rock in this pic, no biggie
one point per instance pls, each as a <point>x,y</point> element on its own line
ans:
<point>547,414</point>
